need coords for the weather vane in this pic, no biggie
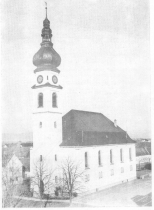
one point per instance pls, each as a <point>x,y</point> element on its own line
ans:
<point>46,8</point>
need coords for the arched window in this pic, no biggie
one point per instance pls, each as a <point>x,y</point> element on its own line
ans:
<point>54,100</point>
<point>40,100</point>
<point>55,157</point>
<point>40,158</point>
<point>99,158</point>
<point>86,160</point>
<point>111,158</point>
<point>121,155</point>
<point>130,154</point>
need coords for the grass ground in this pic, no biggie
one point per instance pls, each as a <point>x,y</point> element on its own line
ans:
<point>40,204</point>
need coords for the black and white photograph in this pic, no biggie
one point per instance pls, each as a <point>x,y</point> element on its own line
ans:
<point>76,103</point>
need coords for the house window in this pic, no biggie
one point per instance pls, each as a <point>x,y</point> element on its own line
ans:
<point>130,154</point>
<point>99,158</point>
<point>47,77</point>
<point>54,100</point>
<point>86,160</point>
<point>40,124</point>
<point>55,157</point>
<point>111,157</point>
<point>122,170</point>
<point>55,125</point>
<point>40,100</point>
<point>40,158</point>
<point>112,172</point>
<point>131,167</point>
<point>121,155</point>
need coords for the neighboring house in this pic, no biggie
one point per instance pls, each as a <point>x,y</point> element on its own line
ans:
<point>16,168</point>
<point>143,154</point>
<point>106,152</point>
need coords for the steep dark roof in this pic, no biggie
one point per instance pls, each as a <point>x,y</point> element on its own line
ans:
<point>82,128</point>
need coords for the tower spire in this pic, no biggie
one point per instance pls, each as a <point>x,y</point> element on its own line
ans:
<point>46,9</point>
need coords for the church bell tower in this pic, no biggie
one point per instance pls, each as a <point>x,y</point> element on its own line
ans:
<point>47,116</point>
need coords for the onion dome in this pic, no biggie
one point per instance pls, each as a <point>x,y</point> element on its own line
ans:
<point>46,56</point>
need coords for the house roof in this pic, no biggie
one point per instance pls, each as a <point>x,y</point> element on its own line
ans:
<point>90,128</point>
<point>143,148</point>
<point>26,163</point>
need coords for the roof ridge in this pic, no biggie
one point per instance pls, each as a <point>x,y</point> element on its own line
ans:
<point>85,111</point>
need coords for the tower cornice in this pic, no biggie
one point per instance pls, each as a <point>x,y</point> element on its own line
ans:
<point>47,85</point>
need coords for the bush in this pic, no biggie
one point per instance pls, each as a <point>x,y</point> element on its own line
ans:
<point>45,196</point>
<point>75,194</point>
<point>148,166</point>
<point>57,191</point>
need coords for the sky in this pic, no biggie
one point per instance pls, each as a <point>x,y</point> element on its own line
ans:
<point>105,50</point>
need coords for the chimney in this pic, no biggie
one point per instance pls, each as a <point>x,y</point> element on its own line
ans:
<point>115,123</point>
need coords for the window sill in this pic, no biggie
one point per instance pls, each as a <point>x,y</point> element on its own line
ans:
<point>122,161</point>
<point>40,107</point>
<point>86,168</point>
<point>111,163</point>
<point>100,166</point>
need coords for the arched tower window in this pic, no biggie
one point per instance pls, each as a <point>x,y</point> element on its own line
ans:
<point>40,100</point>
<point>54,100</point>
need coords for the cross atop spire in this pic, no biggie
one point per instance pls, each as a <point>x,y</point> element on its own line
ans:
<point>46,8</point>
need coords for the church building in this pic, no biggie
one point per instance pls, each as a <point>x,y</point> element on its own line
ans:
<point>106,152</point>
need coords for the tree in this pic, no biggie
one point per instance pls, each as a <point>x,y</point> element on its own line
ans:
<point>42,178</point>
<point>73,176</point>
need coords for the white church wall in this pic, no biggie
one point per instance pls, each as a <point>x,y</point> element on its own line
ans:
<point>96,177</point>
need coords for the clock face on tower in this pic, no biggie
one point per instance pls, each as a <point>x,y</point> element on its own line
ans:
<point>39,79</point>
<point>54,79</point>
